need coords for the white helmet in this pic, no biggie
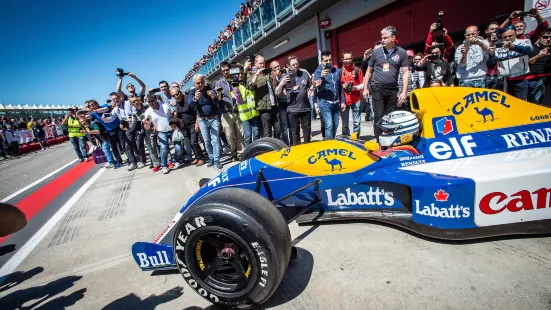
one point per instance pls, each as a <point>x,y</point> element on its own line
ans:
<point>398,127</point>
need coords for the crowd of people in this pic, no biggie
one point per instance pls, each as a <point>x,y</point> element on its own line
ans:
<point>244,11</point>
<point>256,99</point>
<point>37,128</point>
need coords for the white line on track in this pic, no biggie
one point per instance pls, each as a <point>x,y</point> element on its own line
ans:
<point>18,257</point>
<point>37,181</point>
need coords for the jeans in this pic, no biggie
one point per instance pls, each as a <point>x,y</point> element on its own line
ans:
<point>356,118</point>
<point>384,102</point>
<point>179,151</point>
<point>192,141</point>
<point>251,130</point>
<point>106,147</point>
<point>79,147</point>
<point>270,120</point>
<point>151,143</point>
<point>536,90</point>
<point>114,141</point>
<point>330,114</point>
<point>481,83</point>
<point>164,147</point>
<point>286,134</point>
<point>520,89</point>
<point>14,148</point>
<point>135,147</point>
<point>494,82</point>
<point>232,125</point>
<point>304,120</point>
<point>42,139</point>
<point>211,134</point>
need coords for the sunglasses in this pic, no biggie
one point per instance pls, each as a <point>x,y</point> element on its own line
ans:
<point>546,37</point>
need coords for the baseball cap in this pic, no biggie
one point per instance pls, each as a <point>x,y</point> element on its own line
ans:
<point>410,53</point>
<point>151,97</point>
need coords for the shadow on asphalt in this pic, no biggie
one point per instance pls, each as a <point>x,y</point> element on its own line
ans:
<point>19,277</point>
<point>131,301</point>
<point>6,249</point>
<point>43,297</point>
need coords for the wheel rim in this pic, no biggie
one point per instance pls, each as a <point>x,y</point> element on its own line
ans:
<point>221,261</point>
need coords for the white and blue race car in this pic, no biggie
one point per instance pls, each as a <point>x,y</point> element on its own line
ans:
<point>478,164</point>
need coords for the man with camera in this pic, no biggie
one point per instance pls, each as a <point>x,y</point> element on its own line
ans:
<point>352,84</point>
<point>493,79</point>
<point>159,114</point>
<point>261,82</point>
<point>130,87</point>
<point>540,68</point>
<point>438,35</point>
<point>76,132</point>
<point>327,80</point>
<point>244,99</point>
<point>385,65</point>
<point>205,101</point>
<point>228,109</point>
<point>297,83</point>
<point>471,57</point>
<point>187,118</point>
<point>516,20</point>
<point>437,70</point>
<point>277,75</point>
<point>111,123</point>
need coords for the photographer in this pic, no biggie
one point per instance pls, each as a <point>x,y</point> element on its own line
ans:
<point>186,124</point>
<point>250,118</point>
<point>136,133</point>
<point>229,114</point>
<point>540,68</point>
<point>100,134</point>
<point>352,84</point>
<point>437,71</point>
<point>130,87</point>
<point>261,82</point>
<point>471,57</point>
<point>159,114</point>
<point>110,122</point>
<point>493,80</point>
<point>204,100</point>
<point>509,55</point>
<point>330,99</point>
<point>515,19</point>
<point>297,84</point>
<point>438,35</point>
<point>277,75</point>
<point>76,133</point>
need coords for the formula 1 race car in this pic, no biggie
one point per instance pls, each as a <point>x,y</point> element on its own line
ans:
<point>470,163</point>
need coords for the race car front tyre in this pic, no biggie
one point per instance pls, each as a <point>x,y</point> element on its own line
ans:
<point>233,247</point>
<point>262,146</point>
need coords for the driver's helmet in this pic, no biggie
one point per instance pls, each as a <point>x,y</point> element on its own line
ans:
<point>398,127</point>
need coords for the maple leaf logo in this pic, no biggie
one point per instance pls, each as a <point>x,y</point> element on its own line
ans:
<point>441,195</point>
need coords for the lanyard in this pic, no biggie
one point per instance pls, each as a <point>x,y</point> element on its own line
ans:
<point>389,54</point>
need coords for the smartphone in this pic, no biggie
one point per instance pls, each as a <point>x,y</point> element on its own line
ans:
<point>524,14</point>
<point>328,66</point>
<point>107,114</point>
<point>498,44</point>
<point>156,90</point>
<point>283,70</point>
<point>267,70</point>
<point>433,57</point>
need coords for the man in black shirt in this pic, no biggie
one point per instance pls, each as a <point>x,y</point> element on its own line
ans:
<point>297,82</point>
<point>540,67</point>
<point>39,134</point>
<point>383,69</point>
<point>186,124</point>
<point>437,70</point>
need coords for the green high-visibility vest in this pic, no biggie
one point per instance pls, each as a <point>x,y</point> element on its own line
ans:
<point>247,109</point>
<point>73,126</point>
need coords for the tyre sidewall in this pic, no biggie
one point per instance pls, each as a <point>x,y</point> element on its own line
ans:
<point>261,252</point>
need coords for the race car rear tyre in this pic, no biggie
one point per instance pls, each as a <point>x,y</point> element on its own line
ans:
<point>262,146</point>
<point>233,247</point>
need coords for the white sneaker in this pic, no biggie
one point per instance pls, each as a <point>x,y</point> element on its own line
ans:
<point>176,165</point>
<point>165,170</point>
<point>140,165</point>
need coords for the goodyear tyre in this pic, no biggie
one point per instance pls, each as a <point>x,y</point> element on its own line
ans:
<point>233,247</point>
<point>262,146</point>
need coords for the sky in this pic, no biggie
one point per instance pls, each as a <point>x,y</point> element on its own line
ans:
<point>66,52</point>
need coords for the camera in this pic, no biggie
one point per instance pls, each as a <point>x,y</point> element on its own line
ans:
<point>524,14</point>
<point>156,90</point>
<point>234,75</point>
<point>349,87</point>
<point>498,44</point>
<point>267,70</point>
<point>439,21</point>
<point>433,57</point>
<point>120,72</point>
<point>283,70</point>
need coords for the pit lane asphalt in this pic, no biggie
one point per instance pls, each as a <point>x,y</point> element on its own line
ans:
<point>85,261</point>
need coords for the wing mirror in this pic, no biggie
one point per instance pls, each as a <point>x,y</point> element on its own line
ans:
<point>371,146</point>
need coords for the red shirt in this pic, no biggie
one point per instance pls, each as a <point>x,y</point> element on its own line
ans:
<point>348,76</point>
